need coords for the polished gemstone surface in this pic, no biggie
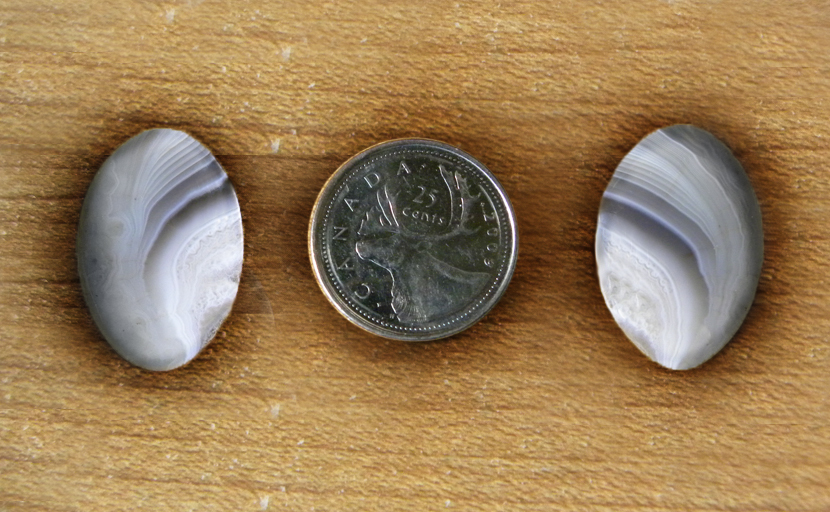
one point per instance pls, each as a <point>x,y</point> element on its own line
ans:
<point>160,248</point>
<point>679,246</point>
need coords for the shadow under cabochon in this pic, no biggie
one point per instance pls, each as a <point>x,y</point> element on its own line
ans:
<point>679,246</point>
<point>160,248</point>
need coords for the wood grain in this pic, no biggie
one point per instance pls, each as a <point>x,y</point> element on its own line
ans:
<point>544,405</point>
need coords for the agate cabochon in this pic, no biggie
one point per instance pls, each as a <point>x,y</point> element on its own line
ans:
<point>160,248</point>
<point>679,246</point>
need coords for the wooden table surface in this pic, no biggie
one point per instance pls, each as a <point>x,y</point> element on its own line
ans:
<point>543,405</point>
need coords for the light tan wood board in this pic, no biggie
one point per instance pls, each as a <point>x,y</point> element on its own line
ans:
<point>544,405</point>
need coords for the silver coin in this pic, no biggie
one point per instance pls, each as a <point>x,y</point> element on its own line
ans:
<point>413,240</point>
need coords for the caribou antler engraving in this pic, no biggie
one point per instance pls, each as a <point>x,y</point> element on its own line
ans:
<point>461,206</point>
<point>423,286</point>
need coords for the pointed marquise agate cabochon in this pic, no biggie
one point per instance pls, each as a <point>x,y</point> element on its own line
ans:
<point>679,246</point>
<point>160,248</point>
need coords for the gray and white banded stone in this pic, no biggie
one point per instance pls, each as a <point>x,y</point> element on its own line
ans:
<point>679,246</point>
<point>160,248</point>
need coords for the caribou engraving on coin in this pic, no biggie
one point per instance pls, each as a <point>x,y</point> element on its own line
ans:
<point>413,240</point>
<point>424,287</point>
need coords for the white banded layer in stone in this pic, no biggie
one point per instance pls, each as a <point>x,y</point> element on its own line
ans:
<point>160,248</point>
<point>679,246</point>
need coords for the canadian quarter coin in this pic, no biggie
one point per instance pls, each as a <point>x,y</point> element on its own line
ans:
<point>413,239</point>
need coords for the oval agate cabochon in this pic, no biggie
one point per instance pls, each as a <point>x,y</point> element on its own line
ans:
<point>160,248</point>
<point>679,246</point>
